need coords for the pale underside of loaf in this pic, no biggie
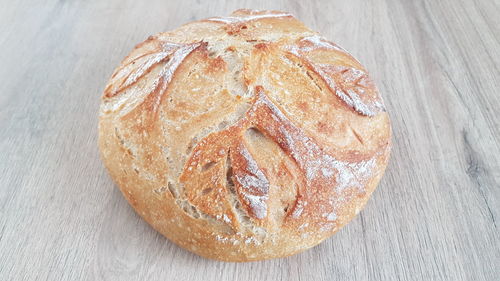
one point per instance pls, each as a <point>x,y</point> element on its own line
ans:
<point>244,137</point>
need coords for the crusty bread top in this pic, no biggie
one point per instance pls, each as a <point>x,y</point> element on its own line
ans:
<point>252,121</point>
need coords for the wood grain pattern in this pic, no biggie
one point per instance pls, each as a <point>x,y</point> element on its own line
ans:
<point>435,215</point>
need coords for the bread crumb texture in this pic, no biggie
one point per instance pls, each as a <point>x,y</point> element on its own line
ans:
<point>245,137</point>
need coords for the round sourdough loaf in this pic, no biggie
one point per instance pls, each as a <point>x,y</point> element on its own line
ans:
<point>245,137</point>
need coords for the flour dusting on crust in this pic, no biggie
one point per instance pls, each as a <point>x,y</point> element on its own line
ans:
<point>244,18</point>
<point>316,164</point>
<point>254,184</point>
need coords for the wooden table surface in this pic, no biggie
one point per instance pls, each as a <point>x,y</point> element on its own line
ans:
<point>435,215</point>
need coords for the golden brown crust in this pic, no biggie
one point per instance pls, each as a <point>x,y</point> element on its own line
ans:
<point>245,137</point>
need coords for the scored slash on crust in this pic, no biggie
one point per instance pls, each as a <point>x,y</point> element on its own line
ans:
<point>323,173</point>
<point>352,85</point>
<point>127,76</point>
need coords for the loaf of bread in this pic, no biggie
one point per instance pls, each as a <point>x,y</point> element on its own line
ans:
<point>245,137</point>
